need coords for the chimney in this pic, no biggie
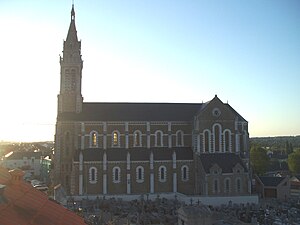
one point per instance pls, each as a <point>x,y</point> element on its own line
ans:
<point>16,175</point>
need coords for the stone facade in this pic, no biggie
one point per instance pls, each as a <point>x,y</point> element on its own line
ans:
<point>136,148</point>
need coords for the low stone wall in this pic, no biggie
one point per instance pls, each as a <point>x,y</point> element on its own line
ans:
<point>214,201</point>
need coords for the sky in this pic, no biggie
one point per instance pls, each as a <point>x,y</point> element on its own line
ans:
<point>246,52</point>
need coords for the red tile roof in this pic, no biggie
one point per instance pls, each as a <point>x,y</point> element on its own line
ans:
<point>26,205</point>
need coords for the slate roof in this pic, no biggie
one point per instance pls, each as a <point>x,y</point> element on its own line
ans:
<point>235,112</point>
<point>136,154</point>
<point>271,181</point>
<point>107,111</point>
<point>26,205</point>
<point>226,161</point>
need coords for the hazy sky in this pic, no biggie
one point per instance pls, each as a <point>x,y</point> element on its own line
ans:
<point>246,52</point>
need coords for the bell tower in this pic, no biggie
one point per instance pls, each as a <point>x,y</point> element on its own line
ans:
<point>70,98</point>
<point>70,102</point>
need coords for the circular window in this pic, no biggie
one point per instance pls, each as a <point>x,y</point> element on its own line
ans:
<point>216,112</point>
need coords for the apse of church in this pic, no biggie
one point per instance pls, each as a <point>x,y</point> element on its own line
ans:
<point>107,148</point>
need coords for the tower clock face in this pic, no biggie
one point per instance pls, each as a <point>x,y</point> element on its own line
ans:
<point>216,112</point>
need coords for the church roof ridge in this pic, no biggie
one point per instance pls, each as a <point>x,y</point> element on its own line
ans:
<point>158,103</point>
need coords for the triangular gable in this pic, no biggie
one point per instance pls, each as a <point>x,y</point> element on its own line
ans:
<point>217,110</point>
<point>295,178</point>
<point>215,169</point>
<point>271,181</point>
<point>238,168</point>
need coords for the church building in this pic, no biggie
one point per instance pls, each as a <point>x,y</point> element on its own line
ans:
<point>110,148</point>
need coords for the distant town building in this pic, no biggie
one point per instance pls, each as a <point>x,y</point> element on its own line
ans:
<point>106,148</point>
<point>45,169</point>
<point>30,162</point>
<point>273,187</point>
<point>295,186</point>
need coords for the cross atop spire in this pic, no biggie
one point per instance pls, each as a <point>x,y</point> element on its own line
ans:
<point>73,12</point>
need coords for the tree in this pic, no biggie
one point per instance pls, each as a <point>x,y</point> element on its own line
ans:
<point>288,148</point>
<point>259,159</point>
<point>294,162</point>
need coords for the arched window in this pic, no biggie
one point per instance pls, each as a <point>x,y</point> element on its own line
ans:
<point>93,175</point>
<point>67,80</point>
<point>217,137</point>
<point>241,143</point>
<point>238,185</point>
<point>206,141</point>
<point>137,138</point>
<point>159,138</point>
<point>162,174</point>
<point>227,185</point>
<point>184,173</point>
<point>94,139</point>
<point>140,174</point>
<point>116,174</point>
<point>115,139</point>
<point>73,80</point>
<point>216,186</point>
<point>227,141</point>
<point>179,138</point>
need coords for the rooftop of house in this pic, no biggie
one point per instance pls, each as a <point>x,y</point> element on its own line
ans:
<point>271,181</point>
<point>22,155</point>
<point>23,204</point>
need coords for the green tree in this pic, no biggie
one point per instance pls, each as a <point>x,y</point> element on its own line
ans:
<point>294,162</point>
<point>288,148</point>
<point>259,159</point>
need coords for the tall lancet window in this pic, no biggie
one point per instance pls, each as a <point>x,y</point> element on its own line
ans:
<point>159,138</point>
<point>162,174</point>
<point>227,140</point>
<point>217,137</point>
<point>116,139</point>
<point>206,141</point>
<point>179,138</point>
<point>140,174</point>
<point>137,139</point>
<point>94,139</point>
<point>116,174</point>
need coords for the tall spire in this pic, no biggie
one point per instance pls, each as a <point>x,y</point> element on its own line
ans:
<point>72,33</point>
<point>70,98</point>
